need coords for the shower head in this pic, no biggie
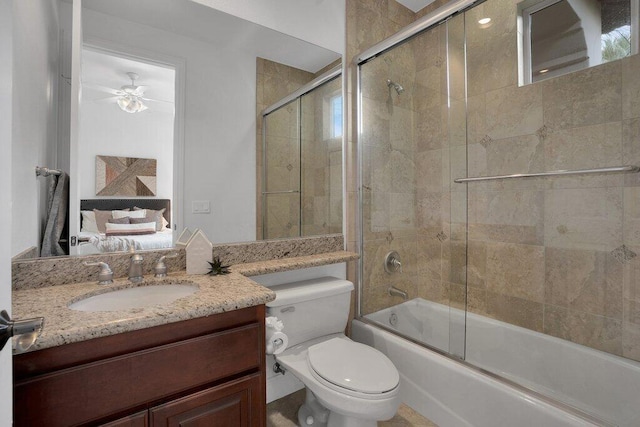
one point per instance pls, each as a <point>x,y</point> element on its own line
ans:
<point>399,89</point>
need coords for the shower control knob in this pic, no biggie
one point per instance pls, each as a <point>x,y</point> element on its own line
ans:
<point>392,263</point>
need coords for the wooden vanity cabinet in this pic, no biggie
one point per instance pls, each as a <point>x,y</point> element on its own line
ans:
<point>208,371</point>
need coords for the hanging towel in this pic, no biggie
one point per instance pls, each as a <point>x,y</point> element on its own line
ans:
<point>57,205</point>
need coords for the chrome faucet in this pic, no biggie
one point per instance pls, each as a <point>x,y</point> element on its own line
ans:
<point>161,268</point>
<point>135,267</point>
<point>105,277</point>
<point>395,292</point>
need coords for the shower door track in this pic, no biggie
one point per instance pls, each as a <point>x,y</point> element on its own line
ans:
<point>427,21</point>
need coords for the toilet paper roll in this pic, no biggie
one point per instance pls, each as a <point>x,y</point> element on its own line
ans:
<point>277,342</point>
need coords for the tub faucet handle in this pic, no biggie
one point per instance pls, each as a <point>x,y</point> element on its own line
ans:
<point>105,277</point>
<point>392,263</point>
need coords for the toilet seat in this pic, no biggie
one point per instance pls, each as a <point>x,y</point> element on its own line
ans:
<point>352,368</point>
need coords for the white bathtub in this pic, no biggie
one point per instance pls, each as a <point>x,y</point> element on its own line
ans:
<point>452,394</point>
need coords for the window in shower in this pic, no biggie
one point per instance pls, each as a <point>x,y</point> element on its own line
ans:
<point>335,115</point>
<point>563,36</point>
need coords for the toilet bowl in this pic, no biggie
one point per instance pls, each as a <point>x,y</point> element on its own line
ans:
<point>357,384</point>
<point>348,384</point>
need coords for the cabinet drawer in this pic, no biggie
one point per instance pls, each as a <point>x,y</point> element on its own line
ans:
<point>96,390</point>
<point>232,404</point>
<point>140,419</point>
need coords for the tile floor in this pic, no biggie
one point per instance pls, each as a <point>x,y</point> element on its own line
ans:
<point>283,413</point>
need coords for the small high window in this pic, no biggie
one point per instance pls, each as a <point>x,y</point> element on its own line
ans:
<point>335,116</point>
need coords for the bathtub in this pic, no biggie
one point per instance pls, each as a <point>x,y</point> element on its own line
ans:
<point>451,393</point>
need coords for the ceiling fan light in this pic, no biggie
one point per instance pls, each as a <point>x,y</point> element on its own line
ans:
<point>130,104</point>
<point>123,102</point>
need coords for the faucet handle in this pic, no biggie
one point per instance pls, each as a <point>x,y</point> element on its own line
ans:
<point>161,268</point>
<point>392,263</point>
<point>105,277</point>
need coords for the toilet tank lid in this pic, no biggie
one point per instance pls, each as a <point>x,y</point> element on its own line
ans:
<point>294,292</point>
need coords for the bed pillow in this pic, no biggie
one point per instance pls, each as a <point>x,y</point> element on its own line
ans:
<point>102,217</point>
<point>153,215</point>
<point>89,222</point>
<point>131,214</point>
<point>124,220</point>
<point>130,229</point>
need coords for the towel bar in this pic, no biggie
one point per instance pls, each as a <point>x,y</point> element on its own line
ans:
<point>42,171</point>
<point>614,169</point>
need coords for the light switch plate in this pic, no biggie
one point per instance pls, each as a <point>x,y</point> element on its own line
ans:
<point>200,207</point>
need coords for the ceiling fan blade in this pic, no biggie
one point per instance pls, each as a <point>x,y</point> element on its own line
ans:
<point>101,88</point>
<point>155,100</point>
<point>139,91</point>
<point>108,99</point>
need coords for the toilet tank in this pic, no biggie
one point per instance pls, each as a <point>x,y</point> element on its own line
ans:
<point>311,308</point>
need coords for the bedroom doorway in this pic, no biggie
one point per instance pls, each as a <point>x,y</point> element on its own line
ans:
<point>130,114</point>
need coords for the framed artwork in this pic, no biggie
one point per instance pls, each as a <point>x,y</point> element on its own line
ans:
<point>125,176</point>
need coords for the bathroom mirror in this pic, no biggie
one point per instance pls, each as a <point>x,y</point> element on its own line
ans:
<point>212,179</point>
<point>562,36</point>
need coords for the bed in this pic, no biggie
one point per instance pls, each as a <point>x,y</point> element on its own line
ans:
<point>92,241</point>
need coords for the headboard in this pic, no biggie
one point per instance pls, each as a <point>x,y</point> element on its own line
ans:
<point>117,204</point>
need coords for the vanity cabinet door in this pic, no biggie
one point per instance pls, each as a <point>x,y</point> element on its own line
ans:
<point>236,403</point>
<point>140,419</point>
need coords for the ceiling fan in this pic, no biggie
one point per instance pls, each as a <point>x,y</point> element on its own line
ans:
<point>130,97</point>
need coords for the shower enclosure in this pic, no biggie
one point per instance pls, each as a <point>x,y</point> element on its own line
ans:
<point>550,257</point>
<point>302,158</point>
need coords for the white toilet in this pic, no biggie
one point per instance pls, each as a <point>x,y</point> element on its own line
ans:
<point>348,384</point>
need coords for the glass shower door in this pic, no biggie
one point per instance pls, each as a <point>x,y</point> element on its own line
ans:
<point>412,142</point>
<point>281,188</point>
<point>321,157</point>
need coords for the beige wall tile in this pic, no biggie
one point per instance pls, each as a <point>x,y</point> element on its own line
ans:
<point>630,87</point>
<point>586,281</point>
<point>477,263</point>
<point>583,218</point>
<point>402,211</point>
<point>584,147</point>
<point>631,341</point>
<point>516,270</point>
<point>582,98</point>
<point>517,311</point>
<point>514,111</point>
<point>507,216</point>
<point>599,332</point>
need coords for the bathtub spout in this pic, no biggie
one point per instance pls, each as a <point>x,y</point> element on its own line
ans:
<point>395,292</point>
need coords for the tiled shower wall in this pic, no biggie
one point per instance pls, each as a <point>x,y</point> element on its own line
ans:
<point>555,255</point>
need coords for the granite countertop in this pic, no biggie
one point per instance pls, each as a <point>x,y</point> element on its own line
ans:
<point>215,294</point>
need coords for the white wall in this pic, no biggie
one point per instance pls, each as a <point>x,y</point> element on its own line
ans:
<point>6,80</point>
<point>107,130</point>
<point>219,128</point>
<point>35,76</point>
<point>320,22</point>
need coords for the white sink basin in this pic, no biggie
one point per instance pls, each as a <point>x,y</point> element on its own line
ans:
<point>138,297</point>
